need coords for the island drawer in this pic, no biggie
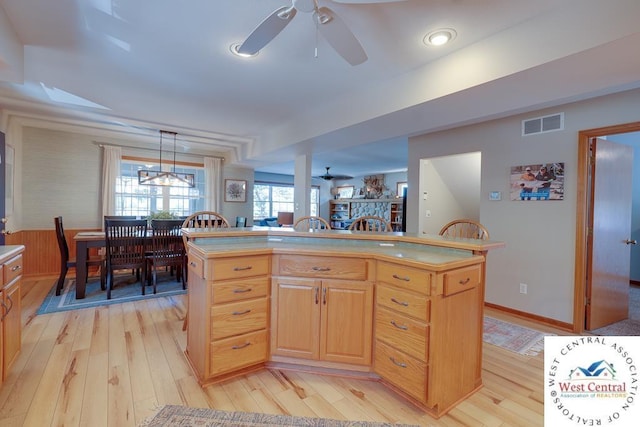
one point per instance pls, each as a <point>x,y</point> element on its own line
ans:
<point>12,269</point>
<point>196,265</point>
<point>323,267</point>
<point>408,303</point>
<point>237,352</point>
<point>238,318</point>
<point>462,279</point>
<point>404,277</point>
<point>238,267</point>
<point>403,333</point>
<point>239,290</point>
<point>405,372</point>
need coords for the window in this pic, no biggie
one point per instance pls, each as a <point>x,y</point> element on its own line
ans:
<point>269,199</point>
<point>141,200</point>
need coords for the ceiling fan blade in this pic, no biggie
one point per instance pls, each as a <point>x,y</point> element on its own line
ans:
<point>333,28</point>
<point>267,30</point>
<point>365,1</point>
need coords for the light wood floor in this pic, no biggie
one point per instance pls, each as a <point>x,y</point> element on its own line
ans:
<point>115,365</point>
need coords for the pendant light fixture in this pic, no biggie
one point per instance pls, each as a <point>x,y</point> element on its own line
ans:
<point>163,178</point>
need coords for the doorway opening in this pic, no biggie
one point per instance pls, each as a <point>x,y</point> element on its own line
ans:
<point>585,206</point>
<point>449,188</point>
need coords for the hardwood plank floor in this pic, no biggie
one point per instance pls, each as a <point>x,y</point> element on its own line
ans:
<point>115,365</point>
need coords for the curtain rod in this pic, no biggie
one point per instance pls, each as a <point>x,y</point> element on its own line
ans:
<point>104,144</point>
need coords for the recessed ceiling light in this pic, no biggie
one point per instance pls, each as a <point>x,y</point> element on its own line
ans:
<point>440,37</point>
<point>234,49</point>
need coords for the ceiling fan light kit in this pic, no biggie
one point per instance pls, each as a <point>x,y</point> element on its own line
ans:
<point>328,23</point>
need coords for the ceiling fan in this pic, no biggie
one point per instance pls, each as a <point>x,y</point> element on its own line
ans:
<point>328,177</point>
<point>330,25</point>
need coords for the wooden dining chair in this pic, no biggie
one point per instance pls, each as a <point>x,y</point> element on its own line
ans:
<point>126,248</point>
<point>311,223</point>
<point>465,228</point>
<point>167,249</point>
<point>66,262</point>
<point>370,223</point>
<point>202,219</point>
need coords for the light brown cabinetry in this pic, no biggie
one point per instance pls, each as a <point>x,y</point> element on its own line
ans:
<point>422,336</point>
<point>10,311</point>
<point>317,317</point>
<point>228,314</point>
<point>428,332</point>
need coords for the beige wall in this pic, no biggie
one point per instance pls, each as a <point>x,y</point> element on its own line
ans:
<point>539,236</point>
<point>58,172</point>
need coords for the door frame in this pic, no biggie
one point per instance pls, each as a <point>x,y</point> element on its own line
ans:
<point>582,215</point>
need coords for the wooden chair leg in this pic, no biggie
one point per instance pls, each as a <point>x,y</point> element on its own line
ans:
<point>63,275</point>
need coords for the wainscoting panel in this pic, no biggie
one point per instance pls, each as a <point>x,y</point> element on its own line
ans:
<point>41,255</point>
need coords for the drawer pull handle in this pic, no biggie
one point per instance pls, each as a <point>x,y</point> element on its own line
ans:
<point>402,303</point>
<point>192,264</point>
<point>321,268</point>
<point>405,279</point>
<point>15,267</point>
<point>316,293</point>
<point>465,281</point>
<point>242,268</point>
<point>5,311</point>
<point>403,327</point>
<point>240,347</point>
<point>402,365</point>
<point>324,296</point>
<point>241,291</point>
<point>240,313</point>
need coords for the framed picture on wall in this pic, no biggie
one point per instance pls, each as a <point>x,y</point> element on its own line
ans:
<point>235,190</point>
<point>537,182</point>
<point>345,192</point>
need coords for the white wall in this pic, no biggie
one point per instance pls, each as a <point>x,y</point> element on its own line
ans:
<point>449,189</point>
<point>540,235</point>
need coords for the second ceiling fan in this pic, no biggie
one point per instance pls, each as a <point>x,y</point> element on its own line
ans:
<point>330,25</point>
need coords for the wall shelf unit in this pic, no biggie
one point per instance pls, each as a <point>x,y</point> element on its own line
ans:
<point>344,211</point>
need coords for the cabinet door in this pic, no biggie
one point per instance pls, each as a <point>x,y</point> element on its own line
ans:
<point>347,313</point>
<point>295,318</point>
<point>11,325</point>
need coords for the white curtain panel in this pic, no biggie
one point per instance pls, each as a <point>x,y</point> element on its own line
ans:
<point>111,157</point>
<point>213,184</point>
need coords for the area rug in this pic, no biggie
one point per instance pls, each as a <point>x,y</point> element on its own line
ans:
<point>512,337</point>
<point>126,289</point>
<point>627,327</point>
<point>182,416</point>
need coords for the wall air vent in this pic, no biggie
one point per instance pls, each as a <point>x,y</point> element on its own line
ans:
<point>544,124</point>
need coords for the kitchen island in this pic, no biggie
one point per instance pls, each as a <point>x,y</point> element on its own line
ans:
<point>403,309</point>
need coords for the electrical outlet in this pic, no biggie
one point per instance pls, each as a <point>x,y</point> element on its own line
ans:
<point>523,288</point>
<point>428,213</point>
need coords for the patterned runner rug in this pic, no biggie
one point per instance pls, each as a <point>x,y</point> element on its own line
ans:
<point>518,339</point>
<point>171,415</point>
<point>126,289</point>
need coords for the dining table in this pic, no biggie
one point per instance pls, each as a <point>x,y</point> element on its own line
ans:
<point>85,240</point>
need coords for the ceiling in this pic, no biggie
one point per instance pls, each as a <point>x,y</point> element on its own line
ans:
<point>126,69</point>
